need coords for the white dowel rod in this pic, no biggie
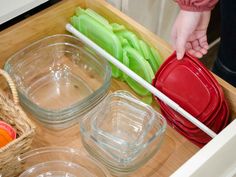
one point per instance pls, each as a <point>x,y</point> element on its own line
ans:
<point>141,81</point>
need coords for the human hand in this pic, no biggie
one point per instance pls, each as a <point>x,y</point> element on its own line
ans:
<point>189,33</point>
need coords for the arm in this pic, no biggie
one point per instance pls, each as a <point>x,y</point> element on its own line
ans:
<point>190,27</point>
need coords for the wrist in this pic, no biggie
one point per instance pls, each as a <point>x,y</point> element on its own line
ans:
<point>205,19</point>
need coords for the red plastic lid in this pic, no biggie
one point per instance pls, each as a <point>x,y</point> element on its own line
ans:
<point>181,120</point>
<point>198,137</point>
<point>194,88</point>
<point>186,83</point>
<point>219,122</point>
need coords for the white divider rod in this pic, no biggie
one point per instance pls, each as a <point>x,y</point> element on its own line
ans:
<point>141,81</point>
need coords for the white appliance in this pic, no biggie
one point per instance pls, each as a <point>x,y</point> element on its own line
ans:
<point>13,8</point>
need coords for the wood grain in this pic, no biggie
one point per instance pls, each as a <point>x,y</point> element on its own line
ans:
<point>175,150</point>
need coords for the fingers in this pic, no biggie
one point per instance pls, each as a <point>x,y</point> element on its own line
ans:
<point>188,46</point>
<point>173,36</point>
<point>203,42</point>
<point>179,37</point>
<point>197,47</point>
<point>185,25</point>
<point>203,51</point>
<point>202,38</point>
<point>181,41</point>
<point>178,42</point>
<point>195,53</point>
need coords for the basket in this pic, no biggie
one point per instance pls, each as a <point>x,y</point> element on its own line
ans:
<point>11,113</point>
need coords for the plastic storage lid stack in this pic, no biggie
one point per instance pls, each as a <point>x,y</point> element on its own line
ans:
<point>122,44</point>
<point>193,87</point>
<point>59,79</point>
<point>123,133</point>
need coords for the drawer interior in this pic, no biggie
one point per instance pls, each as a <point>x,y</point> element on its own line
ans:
<point>53,20</point>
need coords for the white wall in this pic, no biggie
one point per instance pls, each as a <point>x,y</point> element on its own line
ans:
<point>156,15</point>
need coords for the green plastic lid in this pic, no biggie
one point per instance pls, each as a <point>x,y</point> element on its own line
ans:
<point>101,36</point>
<point>141,67</point>
<point>147,54</point>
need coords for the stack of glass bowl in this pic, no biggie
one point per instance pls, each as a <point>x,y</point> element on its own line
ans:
<point>122,133</point>
<point>59,79</point>
<point>59,161</point>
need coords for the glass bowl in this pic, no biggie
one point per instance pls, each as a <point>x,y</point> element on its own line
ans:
<point>59,79</point>
<point>59,161</point>
<point>122,132</point>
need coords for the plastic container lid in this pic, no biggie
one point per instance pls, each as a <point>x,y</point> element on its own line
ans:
<point>185,82</point>
<point>98,30</point>
<point>193,87</point>
<point>140,66</point>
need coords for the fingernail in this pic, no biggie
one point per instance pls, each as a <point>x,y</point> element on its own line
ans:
<point>179,56</point>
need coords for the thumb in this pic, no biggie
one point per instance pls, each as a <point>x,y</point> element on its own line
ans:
<point>180,46</point>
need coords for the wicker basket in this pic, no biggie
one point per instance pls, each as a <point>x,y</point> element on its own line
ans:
<point>11,113</point>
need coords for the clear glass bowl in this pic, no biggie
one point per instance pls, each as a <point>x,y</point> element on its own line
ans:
<point>122,132</point>
<point>60,162</point>
<point>59,79</point>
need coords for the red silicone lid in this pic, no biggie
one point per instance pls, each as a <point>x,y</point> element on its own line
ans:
<point>197,136</point>
<point>215,125</point>
<point>209,120</point>
<point>186,84</point>
<point>181,132</point>
<point>194,88</point>
<point>180,119</point>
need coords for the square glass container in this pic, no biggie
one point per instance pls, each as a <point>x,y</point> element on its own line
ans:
<point>122,132</point>
<point>122,124</point>
<point>59,79</point>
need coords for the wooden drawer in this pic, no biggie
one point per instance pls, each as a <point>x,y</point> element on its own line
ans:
<point>175,150</point>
